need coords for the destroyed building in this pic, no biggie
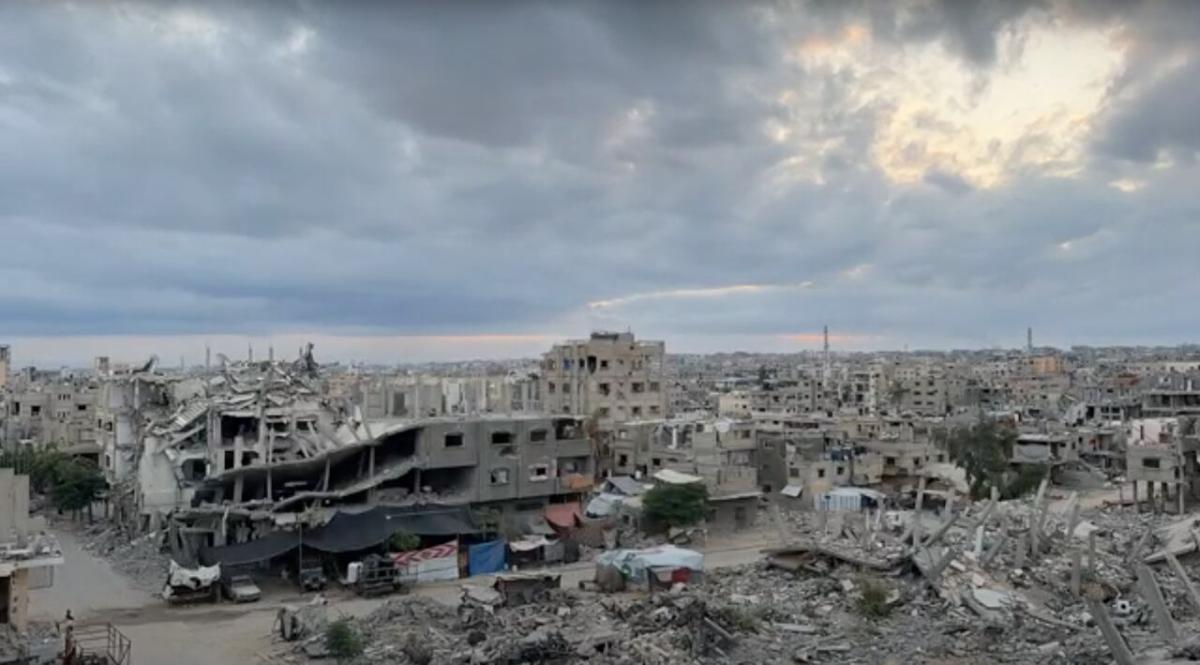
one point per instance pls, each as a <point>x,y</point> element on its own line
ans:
<point>53,410</point>
<point>27,553</point>
<point>259,445</point>
<point>611,376</point>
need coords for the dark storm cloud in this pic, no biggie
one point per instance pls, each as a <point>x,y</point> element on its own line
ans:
<point>492,167</point>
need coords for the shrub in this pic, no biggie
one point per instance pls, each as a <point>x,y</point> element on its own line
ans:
<point>872,599</point>
<point>667,506</point>
<point>343,641</point>
<point>403,541</point>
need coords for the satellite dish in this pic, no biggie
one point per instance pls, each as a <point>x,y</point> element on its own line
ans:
<point>723,426</point>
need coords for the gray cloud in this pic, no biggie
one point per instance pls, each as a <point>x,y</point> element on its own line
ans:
<point>492,167</point>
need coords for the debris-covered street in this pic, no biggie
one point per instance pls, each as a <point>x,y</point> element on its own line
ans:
<point>846,588</point>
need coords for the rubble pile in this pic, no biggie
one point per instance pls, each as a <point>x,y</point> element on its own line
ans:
<point>141,559</point>
<point>964,586</point>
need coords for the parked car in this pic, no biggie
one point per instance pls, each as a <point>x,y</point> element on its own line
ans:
<point>241,589</point>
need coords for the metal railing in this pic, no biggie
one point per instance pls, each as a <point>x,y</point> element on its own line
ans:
<point>102,642</point>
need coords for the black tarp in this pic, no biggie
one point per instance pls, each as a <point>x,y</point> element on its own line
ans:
<point>267,547</point>
<point>349,532</point>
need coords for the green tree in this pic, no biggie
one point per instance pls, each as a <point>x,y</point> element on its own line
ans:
<point>77,484</point>
<point>403,541</point>
<point>983,451</point>
<point>343,640</point>
<point>666,506</point>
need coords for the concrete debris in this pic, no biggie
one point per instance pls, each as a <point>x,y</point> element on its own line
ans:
<point>861,593</point>
<point>141,559</point>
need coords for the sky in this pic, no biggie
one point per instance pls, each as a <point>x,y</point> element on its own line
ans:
<point>429,181</point>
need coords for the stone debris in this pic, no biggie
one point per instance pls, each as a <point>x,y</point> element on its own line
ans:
<point>141,560</point>
<point>862,590</point>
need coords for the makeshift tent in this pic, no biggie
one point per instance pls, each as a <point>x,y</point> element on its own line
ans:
<point>486,558</point>
<point>848,498</point>
<point>350,532</point>
<point>671,477</point>
<point>625,485</point>
<point>635,565</point>
<point>430,564</point>
<point>563,515</point>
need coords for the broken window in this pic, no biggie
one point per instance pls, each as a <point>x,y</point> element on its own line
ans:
<point>622,460</point>
<point>566,389</point>
<point>502,437</point>
<point>499,476</point>
<point>793,472</point>
<point>603,364</point>
<point>636,411</point>
<point>35,410</point>
<point>604,389</point>
<point>194,469</point>
<point>1151,463</point>
<point>655,386</point>
<point>539,472</point>
<point>820,473</point>
<point>550,388</point>
<point>537,435</point>
<point>638,387</point>
<point>508,451</point>
<point>841,471</point>
<point>16,408</point>
<point>602,412</point>
<point>454,440</point>
<point>916,461</point>
<point>81,407</point>
<point>654,409</point>
<point>657,461</point>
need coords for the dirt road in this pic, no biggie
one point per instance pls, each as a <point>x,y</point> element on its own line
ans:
<point>228,634</point>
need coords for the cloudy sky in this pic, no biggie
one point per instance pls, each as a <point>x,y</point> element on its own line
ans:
<point>470,179</point>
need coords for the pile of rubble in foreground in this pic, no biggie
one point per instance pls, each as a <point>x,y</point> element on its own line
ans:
<point>995,582</point>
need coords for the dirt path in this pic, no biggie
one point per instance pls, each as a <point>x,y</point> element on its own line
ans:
<point>226,634</point>
<point>85,585</point>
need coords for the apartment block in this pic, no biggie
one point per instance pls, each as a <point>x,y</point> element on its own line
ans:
<point>611,376</point>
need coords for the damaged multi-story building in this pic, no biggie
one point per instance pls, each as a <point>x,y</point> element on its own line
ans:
<point>259,446</point>
<point>610,376</point>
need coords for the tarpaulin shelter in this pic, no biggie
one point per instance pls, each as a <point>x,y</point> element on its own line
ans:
<point>486,557</point>
<point>431,564</point>
<point>636,565</point>
<point>563,515</point>
<point>350,532</point>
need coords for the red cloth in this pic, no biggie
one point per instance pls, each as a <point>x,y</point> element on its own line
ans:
<point>564,515</point>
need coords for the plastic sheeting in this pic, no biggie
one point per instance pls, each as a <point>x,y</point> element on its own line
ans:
<point>350,532</point>
<point>193,578</point>
<point>431,564</point>
<point>486,558</point>
<point>635,564</point>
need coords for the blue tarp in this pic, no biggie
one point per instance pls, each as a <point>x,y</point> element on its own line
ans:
<point>486,558</point>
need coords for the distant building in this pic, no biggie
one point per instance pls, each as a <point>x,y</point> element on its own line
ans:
<point>610,375</point>
<point>5,364</point>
